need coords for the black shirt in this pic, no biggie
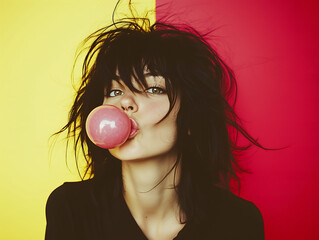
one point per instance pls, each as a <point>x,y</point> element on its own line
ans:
<point>76,210</point>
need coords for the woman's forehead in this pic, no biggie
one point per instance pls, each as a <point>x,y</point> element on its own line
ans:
<point>149,78</point>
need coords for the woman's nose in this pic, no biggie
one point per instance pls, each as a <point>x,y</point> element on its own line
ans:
<point>128,104</point>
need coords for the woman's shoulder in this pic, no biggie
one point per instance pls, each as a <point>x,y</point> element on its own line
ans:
<point>235,216</point>
<point>70,196</point>
<point>228,205</point>
<point>69,208</point>
<point>70,188</point>
<point>226,200</point>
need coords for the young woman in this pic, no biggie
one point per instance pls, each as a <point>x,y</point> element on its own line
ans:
<point>169,180</point>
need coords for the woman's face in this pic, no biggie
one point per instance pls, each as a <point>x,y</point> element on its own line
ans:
<point>153,140</point>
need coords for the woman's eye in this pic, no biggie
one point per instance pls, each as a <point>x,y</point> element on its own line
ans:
<point>115,93</point>
<point>155,90</point>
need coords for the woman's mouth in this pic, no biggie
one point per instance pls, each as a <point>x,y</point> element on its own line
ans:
<point>134,129</point>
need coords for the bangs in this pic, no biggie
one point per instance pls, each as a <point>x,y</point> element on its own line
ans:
<point>132,56</point>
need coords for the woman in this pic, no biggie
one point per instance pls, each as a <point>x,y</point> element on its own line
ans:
<point>169,180</point>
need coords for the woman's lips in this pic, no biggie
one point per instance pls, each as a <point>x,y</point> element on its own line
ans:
<point>134,128</point>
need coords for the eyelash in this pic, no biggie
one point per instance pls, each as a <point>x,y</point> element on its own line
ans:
<point>114,90</point>
<point>162,91</point>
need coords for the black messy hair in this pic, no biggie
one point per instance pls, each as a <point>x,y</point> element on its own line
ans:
<point>191,68</point>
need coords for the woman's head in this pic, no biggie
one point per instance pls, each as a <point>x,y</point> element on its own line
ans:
<point>197,85</point>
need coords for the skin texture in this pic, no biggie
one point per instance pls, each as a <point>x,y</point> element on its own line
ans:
<point>147,157</point>
<point>154,139</point>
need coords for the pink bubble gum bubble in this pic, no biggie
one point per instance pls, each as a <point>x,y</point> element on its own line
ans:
<point>108,127</point>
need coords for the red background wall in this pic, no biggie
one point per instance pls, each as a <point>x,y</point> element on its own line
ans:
<point>272,45</point>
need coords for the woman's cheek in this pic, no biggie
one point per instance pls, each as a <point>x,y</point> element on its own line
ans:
<point>153,112</point>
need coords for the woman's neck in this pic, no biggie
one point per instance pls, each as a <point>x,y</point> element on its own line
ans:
<point>145,202</point>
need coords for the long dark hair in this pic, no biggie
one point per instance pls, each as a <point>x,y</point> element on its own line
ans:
<point>192,68</point>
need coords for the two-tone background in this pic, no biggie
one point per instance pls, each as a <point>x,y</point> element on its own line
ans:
<point>272,45</point>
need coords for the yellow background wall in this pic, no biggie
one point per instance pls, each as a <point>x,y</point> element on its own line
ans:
<point>37,48</point>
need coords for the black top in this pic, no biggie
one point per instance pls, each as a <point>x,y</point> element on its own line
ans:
<point>76,210</point>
